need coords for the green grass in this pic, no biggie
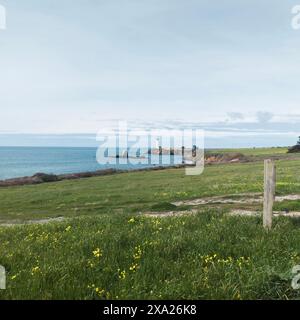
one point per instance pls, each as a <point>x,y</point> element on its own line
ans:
<point>255,151</point>
<point>164,206</point>
<point>209,255</point>
<point>287,206</point>
<point>206,256</point>
<point>139,191</point>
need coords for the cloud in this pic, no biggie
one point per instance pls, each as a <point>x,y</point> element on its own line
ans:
<point>234,116</point>
<point>145,60</point>
<point>263,117</point>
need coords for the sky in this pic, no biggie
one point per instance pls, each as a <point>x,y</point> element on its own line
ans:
<point>230,67</point>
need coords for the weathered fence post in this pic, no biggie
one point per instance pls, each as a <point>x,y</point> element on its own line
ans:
<point>269,193</point>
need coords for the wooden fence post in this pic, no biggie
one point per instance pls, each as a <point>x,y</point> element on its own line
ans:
<point>269,193</point>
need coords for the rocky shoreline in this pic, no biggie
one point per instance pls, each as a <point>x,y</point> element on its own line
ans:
<point>39,178</point>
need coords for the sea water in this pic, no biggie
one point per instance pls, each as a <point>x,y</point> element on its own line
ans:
<point>26,161</point>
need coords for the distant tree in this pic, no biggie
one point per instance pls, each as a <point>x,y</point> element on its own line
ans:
<point>295,148</point>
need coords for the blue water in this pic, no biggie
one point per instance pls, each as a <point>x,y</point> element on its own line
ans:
<point>26,161</point>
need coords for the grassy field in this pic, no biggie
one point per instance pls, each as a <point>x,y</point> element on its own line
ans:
<point>257,152</point>
<point>107,248</point>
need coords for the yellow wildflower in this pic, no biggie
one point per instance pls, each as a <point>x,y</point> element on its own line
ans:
<point>99,292</point>
<point>122,274</point>
<point>97,253</point>
<point>91,264</point>
<point>35,270</point>
<point>134,267</point>
<point>138,253</point>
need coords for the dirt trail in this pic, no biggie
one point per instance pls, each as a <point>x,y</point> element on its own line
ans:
<point>293,214</point>
<point>22,223</point>
<point>239,198</point>
<point>249,198</point>
<point>237,212</point>
<point>170,213</point>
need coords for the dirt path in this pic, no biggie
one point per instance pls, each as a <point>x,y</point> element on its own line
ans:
<point>236,199</point>
<point>22,223</point>
<point>237,212</point>
<point>170,213</point>
<point>239,199</point>
<point>292,214</point>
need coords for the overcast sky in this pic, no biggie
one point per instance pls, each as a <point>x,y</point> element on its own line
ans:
<point>67,65</point>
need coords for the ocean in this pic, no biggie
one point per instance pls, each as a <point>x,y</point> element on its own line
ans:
<point>26,161</point>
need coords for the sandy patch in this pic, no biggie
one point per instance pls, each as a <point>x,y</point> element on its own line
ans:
<point>21,223</point>
<point>243,199</point>
<point>166,214</point>
<point>294,214</point>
